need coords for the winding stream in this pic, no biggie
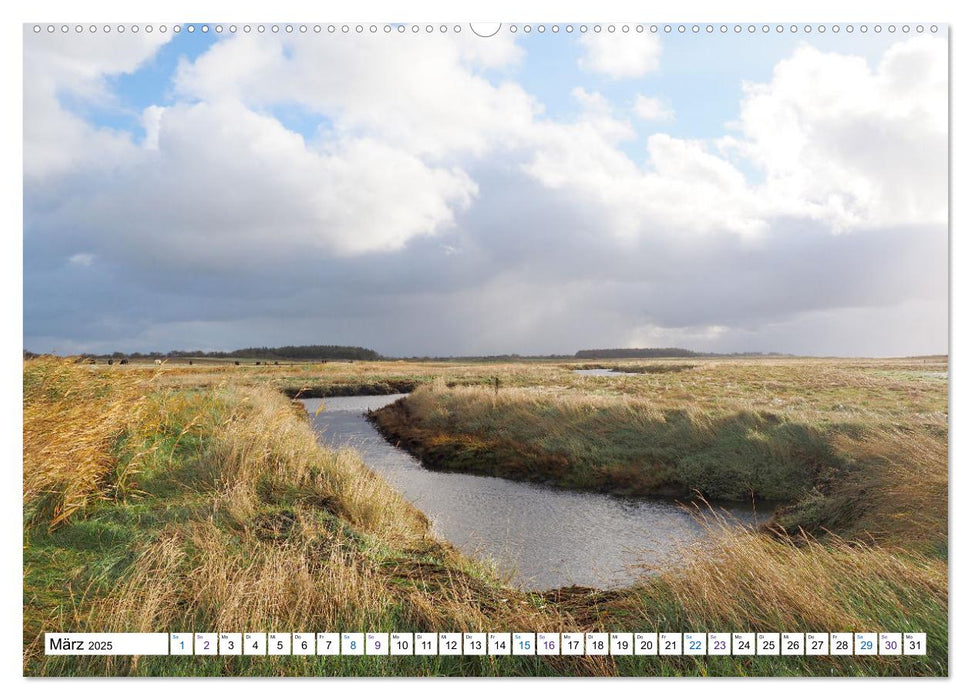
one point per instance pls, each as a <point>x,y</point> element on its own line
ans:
<point>539,536</point>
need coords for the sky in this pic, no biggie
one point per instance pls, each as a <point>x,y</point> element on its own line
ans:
<point>447,194</point>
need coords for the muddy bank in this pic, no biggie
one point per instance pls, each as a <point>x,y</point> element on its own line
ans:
<point>378,388</point>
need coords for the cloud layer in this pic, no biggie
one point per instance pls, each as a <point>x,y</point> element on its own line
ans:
<point>434,206</point>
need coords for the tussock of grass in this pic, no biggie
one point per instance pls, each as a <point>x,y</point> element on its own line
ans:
<point>892,489</point>
<point>74,419</point>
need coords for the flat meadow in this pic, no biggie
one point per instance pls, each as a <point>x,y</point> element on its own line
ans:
<point>196,497</point>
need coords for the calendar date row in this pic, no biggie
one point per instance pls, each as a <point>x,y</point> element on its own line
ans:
<point>490,644</point>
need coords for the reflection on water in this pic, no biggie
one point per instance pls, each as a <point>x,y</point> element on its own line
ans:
<point>540,536</point>
<point>600,372</point>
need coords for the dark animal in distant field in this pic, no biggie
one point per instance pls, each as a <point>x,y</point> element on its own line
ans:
<point>111,362</point>
<point>123,362</point>
<point>190,362</point>
<point>236,363</point>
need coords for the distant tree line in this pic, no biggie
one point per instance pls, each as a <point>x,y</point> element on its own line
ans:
<point>513,357</point>
<point>618,353</point>
<point>290,352</point>
<point>286,352</point>
<point>627,353</point>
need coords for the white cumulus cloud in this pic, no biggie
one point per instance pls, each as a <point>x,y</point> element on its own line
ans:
<point>652,109</point>
<point>620,55</point>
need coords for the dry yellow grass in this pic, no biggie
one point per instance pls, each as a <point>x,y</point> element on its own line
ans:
<point>259,528</point>
<point>752,582</point>
<point>73,418</point>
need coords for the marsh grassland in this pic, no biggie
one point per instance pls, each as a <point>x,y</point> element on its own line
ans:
<point>196,498</point>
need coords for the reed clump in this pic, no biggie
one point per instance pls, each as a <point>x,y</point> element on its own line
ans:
<point>75,419</point>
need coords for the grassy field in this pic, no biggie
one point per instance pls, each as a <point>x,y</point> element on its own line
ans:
<point>188,498</point>
<point>730,431</point>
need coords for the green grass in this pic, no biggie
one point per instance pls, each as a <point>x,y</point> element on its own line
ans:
<point>621,446</point>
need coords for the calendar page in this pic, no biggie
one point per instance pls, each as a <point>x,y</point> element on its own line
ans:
<point>530,349</point>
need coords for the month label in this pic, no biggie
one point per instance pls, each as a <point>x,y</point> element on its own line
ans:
<point>107,643</point>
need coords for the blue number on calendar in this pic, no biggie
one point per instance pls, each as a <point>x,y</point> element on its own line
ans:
<point>353,645</point>
<point>695,645</point>
<point>866,645</point>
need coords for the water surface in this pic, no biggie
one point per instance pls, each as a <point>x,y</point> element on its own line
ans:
<point>541,537</point>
